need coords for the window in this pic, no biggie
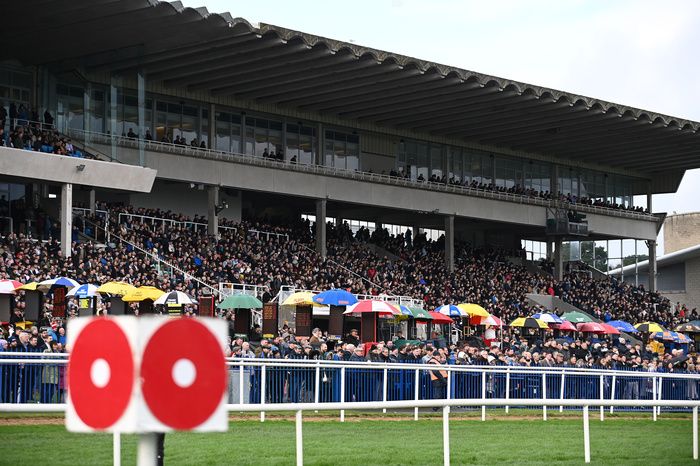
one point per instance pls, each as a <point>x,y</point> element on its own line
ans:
<point>342,150</point>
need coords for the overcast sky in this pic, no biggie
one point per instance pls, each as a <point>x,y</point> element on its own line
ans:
<point>638,53</point>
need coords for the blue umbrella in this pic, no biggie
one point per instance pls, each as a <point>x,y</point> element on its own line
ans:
<point>336,297</point>
<point>451,310</point>
<point>83,291</point>
<point>49,285</point>
<point>548,317</point>
<point>405,310</point>
<point>623,326</point>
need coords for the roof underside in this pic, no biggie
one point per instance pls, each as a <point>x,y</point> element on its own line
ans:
<point>226,56</point>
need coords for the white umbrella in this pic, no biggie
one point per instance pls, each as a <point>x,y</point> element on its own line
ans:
<point>83,291</point>
<point>174,298</point>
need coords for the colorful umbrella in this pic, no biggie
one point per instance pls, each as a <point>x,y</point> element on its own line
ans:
<point>688,327</point>
<point>48,285</point>
<point>9,286</point>
<point>670,336</point>
<point>240,301</point>
<point>548,317</point>
<point>565,326</point>
<point>31,286</point>
<point>683,339</point>
<point>373,305</point>
<point>473,310</point>
<point>83,291</point>
<point>335,297</point>
<point>592,327</point>
<point>440,318</point>
<point>576,317</point>
<point>489,320</point>
<point>116,288</point>
<point>649,327</point>
<point>300,298</point>
<point>142,293</point>
<point>174,298</point>
<point>623,326</point>
<point>528,322</point>
<point>451,310</point>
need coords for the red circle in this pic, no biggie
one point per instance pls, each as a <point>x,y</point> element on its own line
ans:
<point>178,407</point>
<point>97,407</point>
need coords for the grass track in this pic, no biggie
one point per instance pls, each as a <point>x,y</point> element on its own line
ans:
<point>370,442</point>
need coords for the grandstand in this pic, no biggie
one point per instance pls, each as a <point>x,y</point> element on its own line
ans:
<point>310,161</point>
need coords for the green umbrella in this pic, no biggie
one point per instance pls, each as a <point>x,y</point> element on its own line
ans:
<point>420,314</point>
<point>240,301</point>
<point>577,317</point>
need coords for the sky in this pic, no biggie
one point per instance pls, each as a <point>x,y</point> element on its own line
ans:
<point>638,53</point>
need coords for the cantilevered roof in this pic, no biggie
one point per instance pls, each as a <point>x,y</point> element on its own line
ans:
<point>227,56</point>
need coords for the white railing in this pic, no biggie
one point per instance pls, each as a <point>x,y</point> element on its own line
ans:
<point>228,289</point>
<point>357,175</point>
<point>98,213</point>
<point>196,226</point>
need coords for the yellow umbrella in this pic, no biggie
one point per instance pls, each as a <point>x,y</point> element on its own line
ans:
<point>142,293</point>
<point>24,325</point>
<point>116,288</point>
<point>529,322</point>
<point>301,298</point>
<point>31,286</point>
<point>473,310</point>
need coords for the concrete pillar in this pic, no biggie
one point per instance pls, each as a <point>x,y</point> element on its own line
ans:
<point>558,259</point>
<point>415,231</point>
<point>87,111</point>
<point>554,180</point>
<point>649,199</point>
<point>378,226</point>
<point>450,243</point>
<point>113,116</point>
<point>550,249</point>
<point>93,201</point>
<point>141,102</point>
<point>652,265</point>
<point>321,227</point>
<point>212,215</point>
<point>66,218</point>
<point>211,144</point>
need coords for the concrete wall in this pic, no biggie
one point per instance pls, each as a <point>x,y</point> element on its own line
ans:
<point>691,297</point>
<point>289,182</point>
<point>681,231</point>
<point>62,169</point>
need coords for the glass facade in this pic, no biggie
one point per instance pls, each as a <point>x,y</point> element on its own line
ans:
<point>342,150</point>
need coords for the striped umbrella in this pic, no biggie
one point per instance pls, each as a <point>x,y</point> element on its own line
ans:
<point>9,286</point>
<point>83,291</point>
<point>48,285</point>
<point>683,339</point>
<point>373,305</point>
<point>488,320</point>
<point>174,298</point>
<point>473,310</point>
<point>548,317</point>
<point>649,327</point>
<point>451,310</point>
<point>528,322</point>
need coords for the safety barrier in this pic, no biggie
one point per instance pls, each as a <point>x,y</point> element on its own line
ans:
<point>259,385</point>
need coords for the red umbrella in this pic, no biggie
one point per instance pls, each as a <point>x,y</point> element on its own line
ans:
<point>592,327</point>
<point>565,326</point>
<point>8,286</point>
<point>372,305</point>
<point>610,330</point>
<point>489,320</point>
<point>439,318</point>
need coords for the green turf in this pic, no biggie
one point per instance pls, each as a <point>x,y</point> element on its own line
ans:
<point>368,442</point>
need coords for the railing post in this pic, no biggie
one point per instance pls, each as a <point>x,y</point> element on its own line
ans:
<point>317,383</point>
<point>342,393</point>
<point>561,391</point>
<point>483,395</point>
<point>507,387</point>
<point>300,441</point>
<point>695,432</point>
<point>446,435</point>
<point>586,436</point>
<point>240,384</point>
<point>263,389</point>
<point>602,397</point>
<point>660,386</point>
<point>653,397</point>
<point>544,395</point>
<point>117,445</point>
<point>416,391</point>
<point>612,390</point>
<point>384,387</point>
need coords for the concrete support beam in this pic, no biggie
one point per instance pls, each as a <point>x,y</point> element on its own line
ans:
<point>66,218</point>
<point>558,259</point>
<point>93,201</point>
<point>550,250</point>
<point>141,102</point>
<point>450,243</point>
<point>652,265</point>
<point>212,215</point>
<point>113,97</point>
<point>211,143</point>
<point>321,227</point>
<point>319,144</point>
